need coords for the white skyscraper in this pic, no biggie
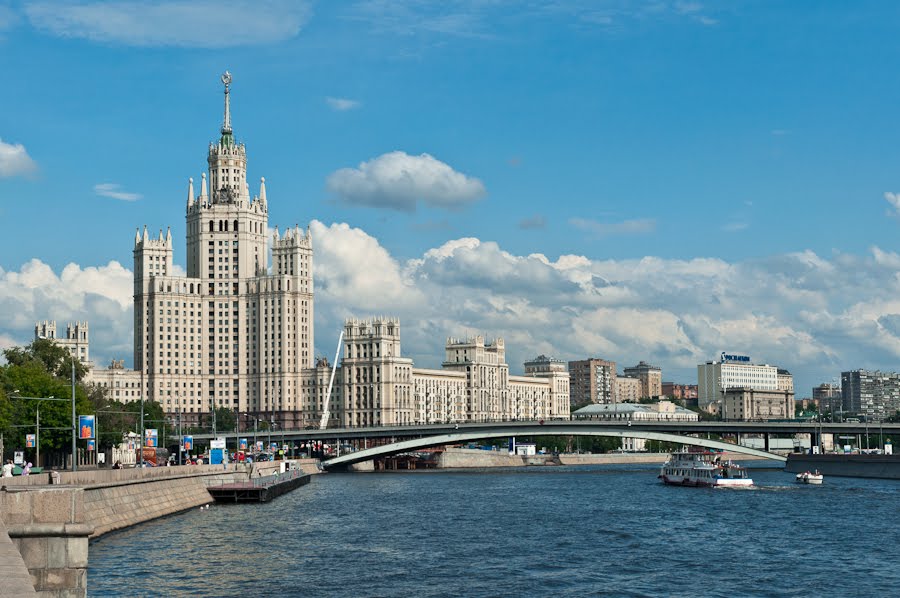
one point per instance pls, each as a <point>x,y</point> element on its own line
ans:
<point>231,333</point>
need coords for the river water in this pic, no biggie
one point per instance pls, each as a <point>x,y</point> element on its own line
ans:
<point>539,531</point>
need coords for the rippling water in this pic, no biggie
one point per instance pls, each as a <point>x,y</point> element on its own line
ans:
<point>612,530</point>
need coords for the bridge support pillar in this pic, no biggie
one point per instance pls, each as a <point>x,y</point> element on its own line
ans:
<point>766,442</point>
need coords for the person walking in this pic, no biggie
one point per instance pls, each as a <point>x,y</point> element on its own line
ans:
<point>8,468</point>
<point>27,469</point>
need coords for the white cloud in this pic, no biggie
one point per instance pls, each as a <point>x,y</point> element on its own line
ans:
<point>814,315</point>
<point>399,181</point>
<point>114,190</point>
<point>14,160</point>
<point>894,200</point>
<point>342,104</point>
<point>605,229</point>
<point>102,295</point>
<point>198,23</point>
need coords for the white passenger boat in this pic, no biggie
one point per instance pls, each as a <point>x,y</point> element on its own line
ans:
<point>810,478</point>
<point>703,469</point>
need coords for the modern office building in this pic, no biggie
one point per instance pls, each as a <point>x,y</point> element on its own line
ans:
<point>592,381</point>
<point>732,371</point>
<point>650,377</point>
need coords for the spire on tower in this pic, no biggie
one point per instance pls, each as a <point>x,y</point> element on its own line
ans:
<point>203,194</point>
<point>137,235</point>
<point>146,236</point>
<point>262,189</point>
<point>227,138</point>
<point>190,192</point>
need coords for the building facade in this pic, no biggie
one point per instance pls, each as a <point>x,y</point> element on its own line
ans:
<point>683,392</point>
<point>750,404</point>
<point>592,381</point>
<point>628,389</point>
<point>868,394</point>
<point>650,378</point>
<point>715,376</point>
<point>232,333</point>
<point>827,398</point>
<point>76,341</point>
<point>660,411</point>
<point>236,331</point>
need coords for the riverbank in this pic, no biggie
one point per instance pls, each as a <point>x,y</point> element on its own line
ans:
<point>461,458</point>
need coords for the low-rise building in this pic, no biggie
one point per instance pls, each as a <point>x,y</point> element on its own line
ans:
<point>683,392</point>
<point>750,404</point>
<point>636,412</point>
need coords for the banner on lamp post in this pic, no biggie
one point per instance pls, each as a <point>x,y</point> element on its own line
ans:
<point>86,426</point>
<point>187,443</point>
<point>242,444</point>
<point>90,445</point>
<point>30,441</point>
<point>151,438</point>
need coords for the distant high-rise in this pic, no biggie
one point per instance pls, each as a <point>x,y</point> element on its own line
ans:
<point>871,394</point>
<point>592,381</point>
<point>650,377</point>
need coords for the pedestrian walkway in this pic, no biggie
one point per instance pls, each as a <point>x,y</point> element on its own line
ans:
<point>16,579</point>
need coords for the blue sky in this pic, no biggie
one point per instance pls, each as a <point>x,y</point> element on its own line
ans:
<point>630,180</point>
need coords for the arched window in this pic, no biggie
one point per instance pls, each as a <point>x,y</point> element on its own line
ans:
<point>226,226</point>
<point>220,226</point>
<point>235,226</point>
<point>210,226</point>
<point>192,288</point>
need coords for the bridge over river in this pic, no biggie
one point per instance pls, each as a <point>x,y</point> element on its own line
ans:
<point>380,441</point>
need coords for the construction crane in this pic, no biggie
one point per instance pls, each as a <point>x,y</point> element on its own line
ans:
<point>325,412</point>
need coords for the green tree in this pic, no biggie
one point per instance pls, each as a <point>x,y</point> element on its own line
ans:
<point>226,419</point>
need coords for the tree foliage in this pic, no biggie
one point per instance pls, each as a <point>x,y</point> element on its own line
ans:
<point>41,370</point>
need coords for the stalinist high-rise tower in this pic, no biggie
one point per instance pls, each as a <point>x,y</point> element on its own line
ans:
<point>232,333</point>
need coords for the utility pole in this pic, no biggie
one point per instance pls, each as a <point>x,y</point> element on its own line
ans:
<point>74,423</point>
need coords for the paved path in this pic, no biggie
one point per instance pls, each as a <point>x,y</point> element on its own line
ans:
<point>16,579</point>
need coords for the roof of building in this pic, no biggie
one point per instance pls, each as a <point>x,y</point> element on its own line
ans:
<point>605,408</point>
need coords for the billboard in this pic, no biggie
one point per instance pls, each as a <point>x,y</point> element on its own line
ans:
<point>30,441</point>
<point>187,443</point>
<point>151,437</point>
<point>242,444</point>
<point>85,426</point>
<point>90,445</point>
<point>259,445</point>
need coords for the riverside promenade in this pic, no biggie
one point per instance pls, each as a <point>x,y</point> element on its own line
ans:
<point>51,524</point>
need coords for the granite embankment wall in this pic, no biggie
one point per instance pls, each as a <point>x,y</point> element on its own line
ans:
<point>50,524</point>
<point>16,579</point>
<point>459,457</point>
<point>119,498</point>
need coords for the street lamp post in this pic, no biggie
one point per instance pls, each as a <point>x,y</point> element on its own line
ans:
<point>37,436</point>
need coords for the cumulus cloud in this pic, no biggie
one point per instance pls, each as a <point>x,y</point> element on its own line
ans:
<point>342,104</point>
<point>14,160</point>
<point>102,295</point>
<point>813,315</point>
<point>197,23</point>
<point>605,229</point>
<point>399,181</point>
<point>115,191</point>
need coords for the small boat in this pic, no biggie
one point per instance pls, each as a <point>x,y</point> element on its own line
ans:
<point>703,469</point>
<point>810,478</point>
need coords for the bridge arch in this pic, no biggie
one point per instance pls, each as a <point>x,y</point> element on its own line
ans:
<point>461,436</point>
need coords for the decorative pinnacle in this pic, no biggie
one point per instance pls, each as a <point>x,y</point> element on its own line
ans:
<point>226,81</point>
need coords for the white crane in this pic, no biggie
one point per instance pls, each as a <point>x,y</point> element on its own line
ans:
<point>325,413</point>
